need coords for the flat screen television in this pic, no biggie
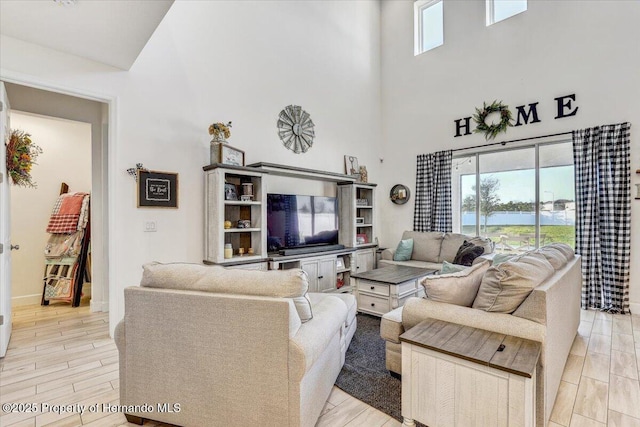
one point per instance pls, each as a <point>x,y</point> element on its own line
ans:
<point>295,221</point>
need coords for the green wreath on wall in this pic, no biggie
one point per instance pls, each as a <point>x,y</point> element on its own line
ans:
<point>492,130</point>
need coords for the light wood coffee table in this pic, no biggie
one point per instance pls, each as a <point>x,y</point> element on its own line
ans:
<point>384,289</point>
<point>454,375</point>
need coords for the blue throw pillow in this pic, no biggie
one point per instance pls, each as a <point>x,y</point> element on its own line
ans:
<point>448,267</point>
<point>404,250</point>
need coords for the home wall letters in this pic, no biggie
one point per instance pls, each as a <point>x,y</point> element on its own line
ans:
<point>526,114</point>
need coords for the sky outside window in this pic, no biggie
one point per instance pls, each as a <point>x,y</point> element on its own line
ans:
<point>503,9</point>
<point>558,179</point>
<point>432,27</point>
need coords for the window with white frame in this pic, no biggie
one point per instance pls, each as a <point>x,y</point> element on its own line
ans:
<point>428,25</point>
<point>521,198</point>
<point>499,10</point>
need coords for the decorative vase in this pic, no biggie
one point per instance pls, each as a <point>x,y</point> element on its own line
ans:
<point>215,148</point>
<point>228,251</point>
<point>364,178</point>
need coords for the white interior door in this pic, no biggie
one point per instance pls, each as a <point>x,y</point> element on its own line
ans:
<point>5,230</point>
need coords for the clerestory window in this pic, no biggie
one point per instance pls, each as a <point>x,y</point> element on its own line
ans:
<point>428,25</point>
<point>499,10</point>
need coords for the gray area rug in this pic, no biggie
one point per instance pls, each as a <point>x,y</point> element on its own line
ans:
<point>364,375</point>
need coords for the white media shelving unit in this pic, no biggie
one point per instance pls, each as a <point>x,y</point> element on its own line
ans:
<point>218,210</point>
<point>328,271</point>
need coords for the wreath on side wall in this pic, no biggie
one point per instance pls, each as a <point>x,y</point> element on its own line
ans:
<point>492,130</point>
<point>21,156</point>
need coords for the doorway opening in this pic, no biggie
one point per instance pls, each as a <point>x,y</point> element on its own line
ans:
<point>90,116</point>
<point>65,158</point>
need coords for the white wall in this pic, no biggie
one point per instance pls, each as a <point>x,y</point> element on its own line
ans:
<point>555,48</point>
<point>66,157</point>
<point>219,61</point>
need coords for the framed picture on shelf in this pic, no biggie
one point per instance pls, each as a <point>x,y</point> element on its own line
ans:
<point>351,166</point>
<point>230,155</point>
<point>339,263</point>
<point>157,189</point>
<point>230,192</point>
<point>361,239</point>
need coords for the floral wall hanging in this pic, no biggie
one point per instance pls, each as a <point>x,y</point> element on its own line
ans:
<point>21,156</point>
<point>492,130</point>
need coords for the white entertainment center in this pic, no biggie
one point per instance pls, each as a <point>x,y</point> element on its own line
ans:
<point>242,224</point>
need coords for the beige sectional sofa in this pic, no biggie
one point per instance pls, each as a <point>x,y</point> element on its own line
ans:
<point>430,249</point>
<point>550,315</point>
<point>230,347</point>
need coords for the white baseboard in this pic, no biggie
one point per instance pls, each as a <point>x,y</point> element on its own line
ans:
<point>26,300</point>
<point>635,308</point>
<point>96,306</point>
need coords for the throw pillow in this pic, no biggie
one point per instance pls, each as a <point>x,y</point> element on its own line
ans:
<point>404,250</point>
<point>426,245</point>
<point>554,256</point>
<point>448,267</point>
<point>455,288</point>
<point>291,283</point>
<point>450,245</point>
<point>488,244</point>
<point>467,253</point>
<point>500,258</point>
<point>567,250</point>
<point>504,287</point>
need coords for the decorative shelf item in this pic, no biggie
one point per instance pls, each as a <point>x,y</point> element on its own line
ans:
<point>296,129</point>
<point>226,154</point>
<point>399,194</point>
<point>492,130</point>
<point>220,151</point>
<point>220,132</point>
<point>134,171</point>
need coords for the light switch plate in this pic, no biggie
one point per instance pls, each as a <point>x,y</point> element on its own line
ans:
<point>150,226</point>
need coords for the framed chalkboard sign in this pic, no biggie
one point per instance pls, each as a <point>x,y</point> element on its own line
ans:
<point>157,189</point>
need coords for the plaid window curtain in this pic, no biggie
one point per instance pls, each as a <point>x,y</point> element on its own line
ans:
<point>603,215</point>
<point>433,192</point>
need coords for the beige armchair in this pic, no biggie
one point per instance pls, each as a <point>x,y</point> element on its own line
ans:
<point>218,347</point>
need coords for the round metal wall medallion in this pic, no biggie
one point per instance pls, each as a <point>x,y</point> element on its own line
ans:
<point>295,129</point>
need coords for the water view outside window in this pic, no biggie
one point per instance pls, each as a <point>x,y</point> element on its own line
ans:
<point>557,194</point>
<point>500,201</point>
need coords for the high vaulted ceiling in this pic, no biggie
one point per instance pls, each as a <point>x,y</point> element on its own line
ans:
<point>112,32</point>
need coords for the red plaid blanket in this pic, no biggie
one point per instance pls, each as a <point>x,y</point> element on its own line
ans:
<point>63,223</point>
<point>66,213</point>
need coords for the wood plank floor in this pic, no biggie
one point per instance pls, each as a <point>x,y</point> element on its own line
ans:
<point>62,355</point>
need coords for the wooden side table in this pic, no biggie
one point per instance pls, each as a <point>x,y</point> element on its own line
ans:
<point>454,375</point>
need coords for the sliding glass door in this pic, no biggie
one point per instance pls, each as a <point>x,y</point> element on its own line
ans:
<point>521,198</point>
<point>557,194</point>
